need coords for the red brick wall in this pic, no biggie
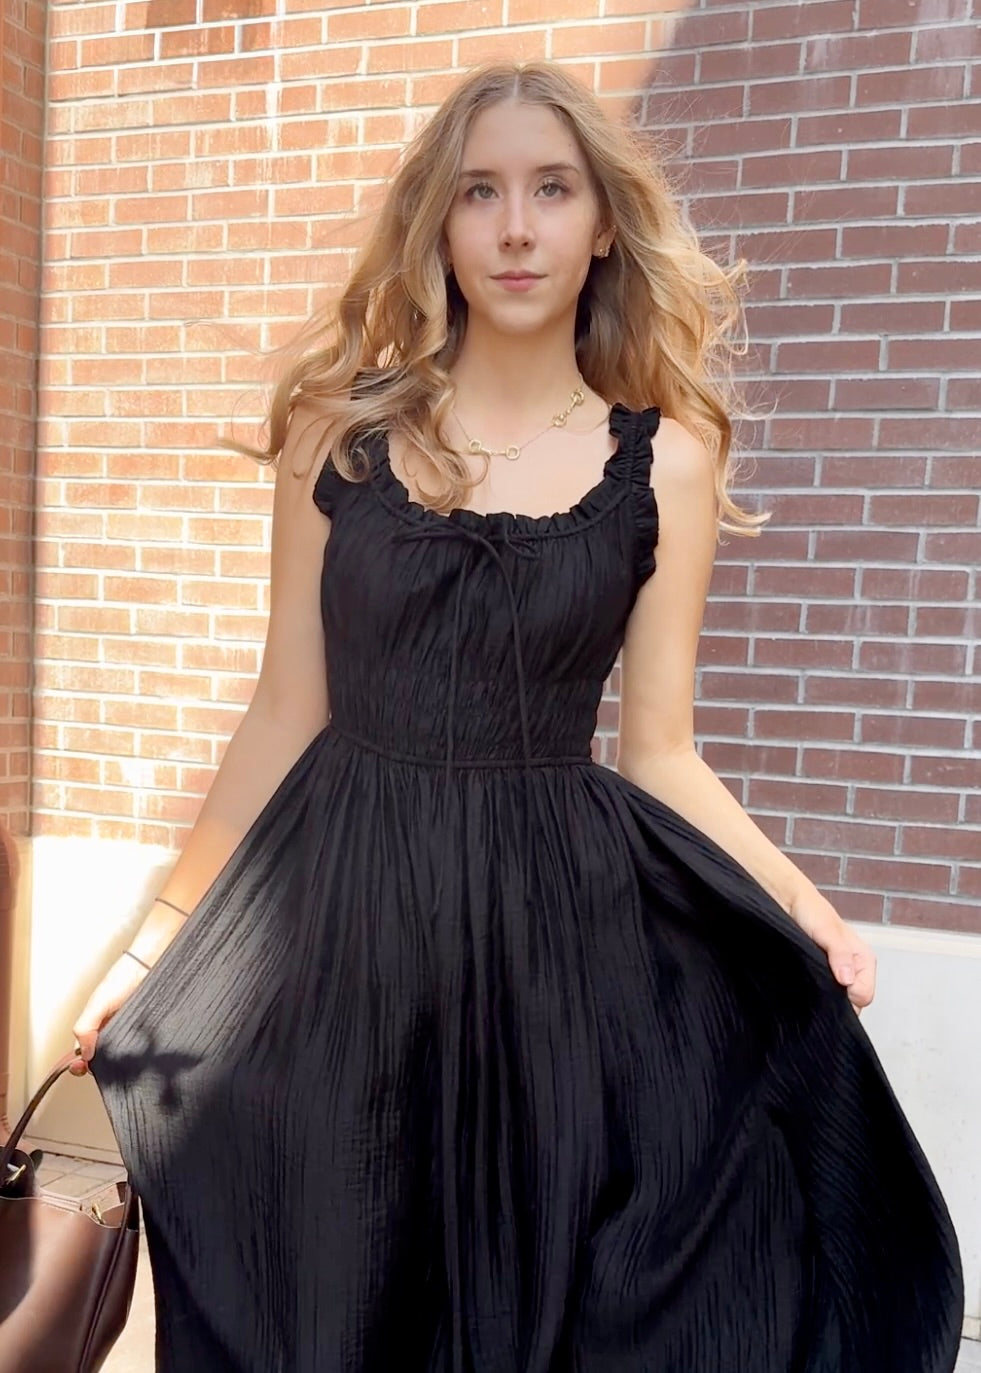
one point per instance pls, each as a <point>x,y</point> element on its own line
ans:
<point>21,125</point>
<point>208,165</point>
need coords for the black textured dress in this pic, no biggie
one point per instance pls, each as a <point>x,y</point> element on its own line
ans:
<point>476,1058</point>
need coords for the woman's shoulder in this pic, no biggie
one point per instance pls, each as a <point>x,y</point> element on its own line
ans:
<point>309,429</point>
<point>680,459</point>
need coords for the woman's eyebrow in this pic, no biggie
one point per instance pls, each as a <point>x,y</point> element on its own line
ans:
<point>538,171</point>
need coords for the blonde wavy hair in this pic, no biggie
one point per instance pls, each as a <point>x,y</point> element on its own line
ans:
<point>654,322</point>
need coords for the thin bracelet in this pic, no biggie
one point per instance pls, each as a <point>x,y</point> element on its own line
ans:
<point>162,900</point>
<point>138,959</point>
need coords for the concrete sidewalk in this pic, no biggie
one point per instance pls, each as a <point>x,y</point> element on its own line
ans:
<point>133,1352</point>
<point>80,1182</point>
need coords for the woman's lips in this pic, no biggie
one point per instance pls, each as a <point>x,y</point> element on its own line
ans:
<point>516,283</point>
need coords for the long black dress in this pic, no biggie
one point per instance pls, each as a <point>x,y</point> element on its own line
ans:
<point>476,1058</point>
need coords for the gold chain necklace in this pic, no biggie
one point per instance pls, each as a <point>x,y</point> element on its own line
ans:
<point>514,451</point>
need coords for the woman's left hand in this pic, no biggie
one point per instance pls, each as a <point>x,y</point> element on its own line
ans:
<point>850,958</point>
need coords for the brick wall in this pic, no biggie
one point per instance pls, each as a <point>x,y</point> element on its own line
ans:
<point>209,163</point>
<point>21,127</point>
<point>837,146</point>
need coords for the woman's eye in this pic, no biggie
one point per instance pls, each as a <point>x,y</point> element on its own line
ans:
<point>472,192</point>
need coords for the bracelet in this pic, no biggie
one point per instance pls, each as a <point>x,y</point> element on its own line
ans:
<point>137,958</point>
<point>162,901</point>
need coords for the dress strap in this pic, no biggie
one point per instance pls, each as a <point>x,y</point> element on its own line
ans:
<point>327,490</point>
<point>624,422</point>
<point>331,490</point>
<point>635,429</point>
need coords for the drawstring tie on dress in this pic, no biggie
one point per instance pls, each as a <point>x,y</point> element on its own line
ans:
<point>523,549</point>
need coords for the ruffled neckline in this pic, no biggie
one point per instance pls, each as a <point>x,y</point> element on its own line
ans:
<point>602,497</point>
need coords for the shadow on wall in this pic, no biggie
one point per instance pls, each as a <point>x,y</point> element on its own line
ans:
<point>831,147</point>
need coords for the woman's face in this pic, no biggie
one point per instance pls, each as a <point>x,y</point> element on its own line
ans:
<point>523,203</point>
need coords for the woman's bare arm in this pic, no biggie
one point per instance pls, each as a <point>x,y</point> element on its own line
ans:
<point>657,743</point>
<point>289,706</point>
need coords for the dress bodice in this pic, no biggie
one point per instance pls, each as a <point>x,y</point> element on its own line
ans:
<point>475,637</point>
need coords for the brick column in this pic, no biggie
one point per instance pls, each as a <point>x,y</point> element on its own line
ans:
<point>21,155</point>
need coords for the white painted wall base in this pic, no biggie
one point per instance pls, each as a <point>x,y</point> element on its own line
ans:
<point>925,1023</point>
<point>88,897</point>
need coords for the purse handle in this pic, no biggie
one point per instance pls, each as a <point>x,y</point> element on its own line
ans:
<point>6,1152</point>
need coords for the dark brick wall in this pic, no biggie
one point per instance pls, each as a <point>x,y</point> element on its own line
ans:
<point>837,146</point>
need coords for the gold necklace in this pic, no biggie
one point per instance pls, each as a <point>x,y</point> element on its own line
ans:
<point>513,450</point>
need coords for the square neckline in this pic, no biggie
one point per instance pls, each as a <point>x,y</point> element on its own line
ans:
<point>585,509</point>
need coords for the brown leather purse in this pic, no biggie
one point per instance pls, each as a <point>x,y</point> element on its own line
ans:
<point>66,1276</point>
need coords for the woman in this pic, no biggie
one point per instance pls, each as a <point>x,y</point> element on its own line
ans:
<point>446,1048</point>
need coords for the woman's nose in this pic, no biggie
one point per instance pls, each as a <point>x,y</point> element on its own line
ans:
<point>516,226</point>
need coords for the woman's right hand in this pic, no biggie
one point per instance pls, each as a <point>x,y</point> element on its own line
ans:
<point>123,977</point>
